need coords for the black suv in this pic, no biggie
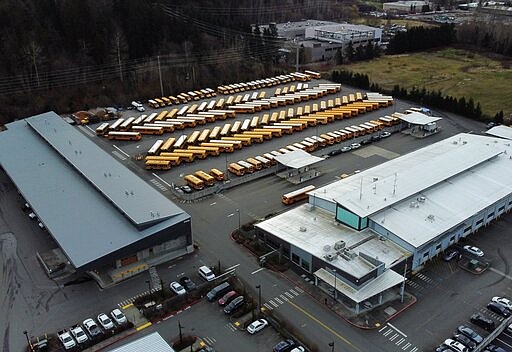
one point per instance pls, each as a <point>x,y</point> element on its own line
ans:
<point>483,322</point>
<point>187,283</point>
<point>234,305</point>
<point>499,309</point>
<point>464,330</point>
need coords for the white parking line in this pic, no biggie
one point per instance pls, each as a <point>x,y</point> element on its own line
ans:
<point>288,294</point>
<point>383,328</point>
<point>283,297</point>
<point>294,292</point>
<point>299,289</point>
<point>406,346</point>
<point>278,300</point>
<point>414,349</point>
<point>392,338</point>
<point>399,342</point>
<point>274,304</point>
<point>120,150</point>
<point>257,271</point>
<point>387,332</point>
<point>268,306</point>
<point>397,330</point>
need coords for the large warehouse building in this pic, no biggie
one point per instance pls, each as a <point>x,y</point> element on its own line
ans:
<point>421,203</point>
<point>105,219</point>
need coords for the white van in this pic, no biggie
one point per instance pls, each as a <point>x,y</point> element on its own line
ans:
<point>138,106</point>
<point>206,273</point>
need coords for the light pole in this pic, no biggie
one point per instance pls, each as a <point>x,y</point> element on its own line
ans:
<point>25,332</point>
<point>238,212</point>
<point>259,298</point>
<point>180,327</point>
<point>334,295</point>
<point>331,345</point>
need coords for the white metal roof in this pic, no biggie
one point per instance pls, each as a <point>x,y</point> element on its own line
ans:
<point>417,118</point>
<point>501,131</point>
<point>386,184</point>
<point>152,342</point>
<point>297,159</point>
<point>386,280</point>
<point>313,229</point>
<point>419,220</point>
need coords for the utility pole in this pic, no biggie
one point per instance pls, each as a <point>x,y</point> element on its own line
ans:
<point>160,76</point>
<point>180,327</point>
<point>259,298</point>
<point>403,284</point>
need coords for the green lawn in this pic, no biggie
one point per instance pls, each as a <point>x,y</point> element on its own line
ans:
<point>455,72</point>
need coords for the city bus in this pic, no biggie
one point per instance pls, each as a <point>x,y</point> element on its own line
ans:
<point>155,148</point>
<point>102,129</point>
<point>124,136</point>
<point>148,130</point>
<point>217,174</point>
<point>125,126</point>
<point>194,182</point>
<point>168,144</point>
<point>116,125</point>
<point>208,179</point>
<point>297,195</point>
<point>236,169</point>
<point>203,137</point>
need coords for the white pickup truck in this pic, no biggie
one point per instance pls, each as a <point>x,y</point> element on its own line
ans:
<point>79,334</point>
<point>66,339</point>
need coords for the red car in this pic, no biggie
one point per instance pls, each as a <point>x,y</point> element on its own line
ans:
<point>228,297</point>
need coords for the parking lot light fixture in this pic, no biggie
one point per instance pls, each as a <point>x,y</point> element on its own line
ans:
<point>259,297</point>
<point>331,345</point>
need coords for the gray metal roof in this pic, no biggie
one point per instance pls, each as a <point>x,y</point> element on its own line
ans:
<point>81,219</point>
<point>501,131</point>
<point>297,159</point>
<point>417,118</point>
<point>137,200</point>
<point>152,342</point>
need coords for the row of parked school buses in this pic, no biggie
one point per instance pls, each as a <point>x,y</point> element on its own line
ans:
<point>181,98</point>
<point>267,82</point>
<point>200,178</point>
<point>211,142</point>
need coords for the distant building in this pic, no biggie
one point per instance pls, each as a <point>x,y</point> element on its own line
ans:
<point>404,6</point>
<point>321,40</point>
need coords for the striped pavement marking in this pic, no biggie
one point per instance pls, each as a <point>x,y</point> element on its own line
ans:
<point>284,298</point>
<point>278,300</point>
<point>268,306</point>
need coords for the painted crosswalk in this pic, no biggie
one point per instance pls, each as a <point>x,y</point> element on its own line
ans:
<point>283,298</point>
<point>420,283</point>
<point>398,338</point>
<point>209,340</point>
<point>158,185</point>
<point>231,327</point>
<point>130,300</point>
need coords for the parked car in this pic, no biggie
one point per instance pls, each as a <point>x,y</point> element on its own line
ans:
<point>284,345</point>
<point>186,189</point>
<point>298,349</point>
<point>499,309</point>
<point>509,328</point>
<point>92,328</point>
<point>442,348</point>
<point>118,316</point>
<point>355,146</point>
<point>105,321</point>
<point>256,326</point>
<point>335,152</point>
<point>177,288</point>
<point>206,273</point>
<point>466,341</point>
<point>483,322</point>
<point>474,250</point>
<point>376,138</point>
<point>385,134</point>
<point>345,149</point>
<point>227,298</point>
<point>234,305</point>
<point>470,333</point>
<point>366,141</point>
<point>503,301</point>
<point>450,255</point>
<point>494,348</point>
<point>66,339</point>
<point>79,333</point>
<point>455,345</point>
<point>187,283</point>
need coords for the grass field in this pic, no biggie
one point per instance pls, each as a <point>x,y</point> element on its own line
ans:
<point>376,22</point>
<point>454,72</point>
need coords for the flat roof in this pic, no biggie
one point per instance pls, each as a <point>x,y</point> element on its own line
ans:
<point>153,342</point>
<point>425,216</point>
<point>386,280</point>
<point>501,131</point>
<point>297,159</point>
<point>417,118</point>
<point>314,230</point>
<point>82,220</point>
<point>136,199</point>
<point>379,187</point>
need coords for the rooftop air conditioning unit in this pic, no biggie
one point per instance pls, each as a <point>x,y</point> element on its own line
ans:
<point>339,245</point>
<point>302,229</point>
<point>330,257</point>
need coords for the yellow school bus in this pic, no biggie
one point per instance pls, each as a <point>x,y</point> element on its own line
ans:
<point>236,169</point>
<point>208,179</point>
<point>295,196</point>
<point>194,182</point>
<point>198,153</point>
<point>211,151</point>
<point>158,164</point>
<point>217,174</point>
